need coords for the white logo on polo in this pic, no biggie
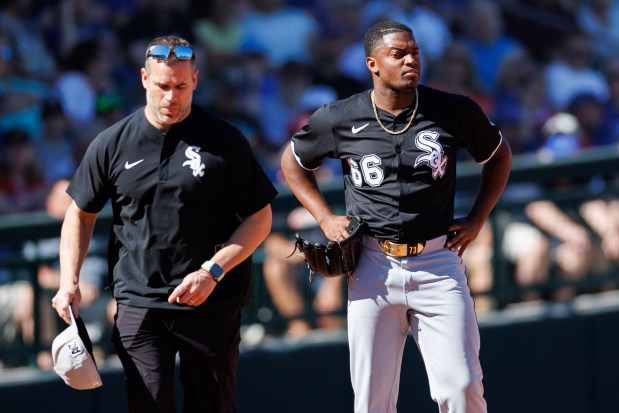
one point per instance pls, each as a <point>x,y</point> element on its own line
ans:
<point>131,165</point>
<point>359,129</point>
<point>435,156</point>
<point>74,348</point>
<point>195,161</point>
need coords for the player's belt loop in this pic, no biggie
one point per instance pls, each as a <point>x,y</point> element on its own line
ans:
<point>401,250</point>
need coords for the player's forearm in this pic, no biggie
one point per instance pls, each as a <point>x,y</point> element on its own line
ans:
<point>245,239</point>
<point>494,176</point>
<point>75,238</point>
<point>304,186</point>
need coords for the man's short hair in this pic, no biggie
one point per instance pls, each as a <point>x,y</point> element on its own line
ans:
<point>374,36</point>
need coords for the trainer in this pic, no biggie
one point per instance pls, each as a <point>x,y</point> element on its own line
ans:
<point>398,145</point>
<point>190,205</point>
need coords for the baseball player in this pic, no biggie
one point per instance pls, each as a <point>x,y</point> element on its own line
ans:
<point>190,205</point>
<point>397,144</point>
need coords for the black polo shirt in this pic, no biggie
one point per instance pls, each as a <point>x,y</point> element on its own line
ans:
<point>175,198</point>
<point>402,185</point>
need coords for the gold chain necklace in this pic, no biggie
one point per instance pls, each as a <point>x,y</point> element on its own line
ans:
<point>410,122</point>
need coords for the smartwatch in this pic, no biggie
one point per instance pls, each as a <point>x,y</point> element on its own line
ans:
<point>214,269</point>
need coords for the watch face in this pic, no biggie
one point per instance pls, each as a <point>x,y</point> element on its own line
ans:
<point>214,269</point>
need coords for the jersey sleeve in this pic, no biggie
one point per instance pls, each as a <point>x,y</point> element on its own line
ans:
<point>315,141</point>
<point>482,137</point>
<point>249,186</point>
<point>89,187</point>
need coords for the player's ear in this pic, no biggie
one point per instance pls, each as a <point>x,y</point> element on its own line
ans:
<point>144,75</point>
<point>370,62</point>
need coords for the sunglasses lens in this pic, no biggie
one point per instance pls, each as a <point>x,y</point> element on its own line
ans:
<point>183,52</point>
<point>160,51</point>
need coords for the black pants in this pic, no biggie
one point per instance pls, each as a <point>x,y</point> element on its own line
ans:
<point>147,341</point>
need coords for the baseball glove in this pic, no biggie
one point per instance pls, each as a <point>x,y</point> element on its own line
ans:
<point>335,258</point>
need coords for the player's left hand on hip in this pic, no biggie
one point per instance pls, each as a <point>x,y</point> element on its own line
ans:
<point>461,233</point>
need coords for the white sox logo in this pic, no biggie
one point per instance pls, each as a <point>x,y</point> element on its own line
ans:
<point>434,156</point>
<point>195,161</point>
<point>74,348</point>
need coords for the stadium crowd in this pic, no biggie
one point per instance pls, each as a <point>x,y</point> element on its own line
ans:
<point>545,71</point>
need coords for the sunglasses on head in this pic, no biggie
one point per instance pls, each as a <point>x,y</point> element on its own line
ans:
<point>162,51</point>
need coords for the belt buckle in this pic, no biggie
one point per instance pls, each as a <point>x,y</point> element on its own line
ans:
<point>402,250</point>
<point>396,250</point>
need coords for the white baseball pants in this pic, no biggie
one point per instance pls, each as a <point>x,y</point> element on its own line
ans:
<point>429,295</point>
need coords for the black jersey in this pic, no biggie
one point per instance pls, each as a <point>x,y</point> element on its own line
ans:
<point>402,185</point>
<point>175,198</point>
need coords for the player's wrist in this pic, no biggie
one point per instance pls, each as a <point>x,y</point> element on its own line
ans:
<point>207,275</point>
<point>213,270</point>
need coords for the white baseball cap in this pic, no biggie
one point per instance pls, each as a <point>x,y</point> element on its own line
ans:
<point>73,359</point>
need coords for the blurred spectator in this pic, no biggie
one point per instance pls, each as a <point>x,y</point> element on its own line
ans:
<point>589,112</point>
<point>539,25</point>
<point>563,137</point>
<point>571,74</point>
<point>18,22</point>
<point>527,252</point>
<point>16,323</point>
<point>456,73</point>
<point>55,150</point>
<point>345,17</point>
<point>153,18</point>
<point>20,96</point>
<point>324,69</point>
<point>521,107</point>
<point>602,215</point>
<point>70,22</point>
<point>218,30</point>
<point>22,184</point>
<point>610,134</point>
<point>348,15</point>
<point>600,20</point>
<point>280,102</point>
<point>283,32</point>
<point>120,11</point>
<point>572,247</point>
<point>88,74</point>
<point>484,36</point>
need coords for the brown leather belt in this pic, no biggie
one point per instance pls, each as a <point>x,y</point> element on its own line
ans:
<point>401,250</point>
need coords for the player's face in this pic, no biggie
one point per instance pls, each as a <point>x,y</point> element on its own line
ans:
<point>169,91</point>
<point>396,63</point>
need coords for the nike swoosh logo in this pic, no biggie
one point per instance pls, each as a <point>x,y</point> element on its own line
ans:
<point>131,165</point>
<point>359,129</point>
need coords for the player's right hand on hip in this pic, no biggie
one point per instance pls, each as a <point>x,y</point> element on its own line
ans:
<point>335,227</point>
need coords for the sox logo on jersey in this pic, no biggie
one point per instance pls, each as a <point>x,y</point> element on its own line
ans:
<point>195,161</point>
<point>434,156</point>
